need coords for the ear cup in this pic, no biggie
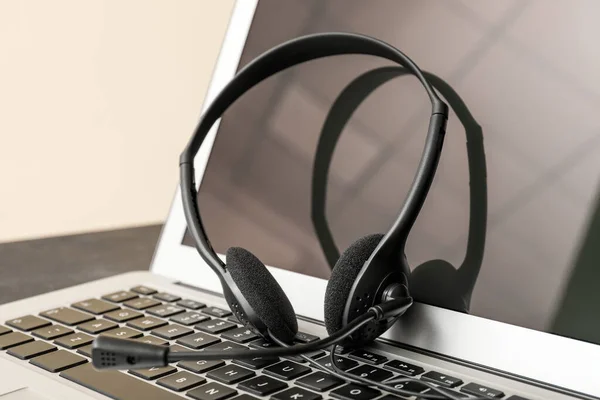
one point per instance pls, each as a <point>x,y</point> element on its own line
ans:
<point>342,278</point>
<point>263,293</point>
<point>437,282</point>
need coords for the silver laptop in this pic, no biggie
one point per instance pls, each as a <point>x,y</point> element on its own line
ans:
<point>522,237</point>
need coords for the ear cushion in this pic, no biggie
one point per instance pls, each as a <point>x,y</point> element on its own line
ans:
<point>342,278</point>
<point>263,293</point>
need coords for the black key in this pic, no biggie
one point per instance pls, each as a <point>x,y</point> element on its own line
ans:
<point>297,359</point>
<point>28,323</point>
<point>152,340</point>
<point>319,381</point>
<point>153,373</point>
<point>230,374</point>
<point>169,298</point>
<point>217,312</point>
<point>265,344</point>
<point>233,319</point>
<point>445,390</point>
<point>316,354</point>
<point>146,323</point>
<point>123,315</point>
<point>480,390</point>
<point>404,368</point>
<point>4,330</point>
<point>181,381</point>
<point>67,316</point>
<point>86,350</point>
<point>262,344</point>
<point>52,332</point>
<point>142,304</point>
<point>302,337</point>
<point>370,372</point>
<point>342,350</point>
<point>175,348</point>
<point>287,370</point>
<point>410,386</point>
<point>31,349</point>
<point>244,397</point>
<point>367,357</point>
<point>95,306</point>
<point>262,385</point>
<point>341,362</point>
<point>123,333</point>
<point>13,339</point>
<point>116,385</point>
<point>198,340</point>
<point>57,361</point>
<point>517,398</point>
<point>215,326</point>
<point>226,346</point>
<point>296,393</point>
<point>201,366</point>
<point>145,290</point>
<point>189,318</point>
<point>355,392</point>
<point>191,304</point>
<point>96,326</point>
<point>171,332</point>
<point>256,362</point>
<point>119,297</point>
<point>74,340</point>
<point>212,391</point>
<point>240,335</point>
<point>441,379</point>
<point>165,310</point>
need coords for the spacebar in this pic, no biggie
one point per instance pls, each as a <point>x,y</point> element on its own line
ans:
<point>116,385</point>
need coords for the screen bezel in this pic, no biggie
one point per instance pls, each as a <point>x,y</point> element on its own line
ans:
<point>516,350</point>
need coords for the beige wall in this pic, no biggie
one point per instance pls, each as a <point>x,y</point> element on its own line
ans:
<point>97,99</point>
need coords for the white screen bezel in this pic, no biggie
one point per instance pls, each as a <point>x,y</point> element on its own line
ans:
<point>516,350</point>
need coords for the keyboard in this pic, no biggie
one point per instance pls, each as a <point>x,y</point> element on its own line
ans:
<point>59,341</point>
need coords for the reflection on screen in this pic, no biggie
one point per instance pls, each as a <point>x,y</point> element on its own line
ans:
<point>539,266</point>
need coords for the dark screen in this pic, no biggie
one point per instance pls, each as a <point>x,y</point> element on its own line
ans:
<point>513,207</point>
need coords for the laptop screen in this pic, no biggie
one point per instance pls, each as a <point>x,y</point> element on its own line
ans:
<point>514,207</point>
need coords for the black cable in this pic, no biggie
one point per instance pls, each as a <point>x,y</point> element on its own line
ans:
<point>309,360</point>
<point>291,351</point>
<point>379,385</point>
<point>343,375</point>
<point>340,374</point>
<point>400,392</point>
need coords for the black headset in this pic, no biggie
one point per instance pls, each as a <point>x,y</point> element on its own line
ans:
<point>368,288</point>
<point>373,269</point>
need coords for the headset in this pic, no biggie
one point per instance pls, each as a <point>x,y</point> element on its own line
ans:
<point>368,288</point>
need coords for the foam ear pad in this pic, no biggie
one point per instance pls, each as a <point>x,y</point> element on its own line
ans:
<point>263,293</point>
<point>342,278</point>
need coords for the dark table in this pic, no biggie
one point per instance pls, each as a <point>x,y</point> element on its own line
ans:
<point>33,267</point>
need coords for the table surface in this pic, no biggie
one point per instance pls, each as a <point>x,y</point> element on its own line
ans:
<point>37,266</point>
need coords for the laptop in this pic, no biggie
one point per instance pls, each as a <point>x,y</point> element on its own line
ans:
<point>514,213</point>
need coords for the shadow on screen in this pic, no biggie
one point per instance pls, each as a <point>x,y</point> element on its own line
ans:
<point>435,282</point>
<point>578,309</point>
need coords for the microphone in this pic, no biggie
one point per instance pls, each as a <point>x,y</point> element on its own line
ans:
<point>116,353</point>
